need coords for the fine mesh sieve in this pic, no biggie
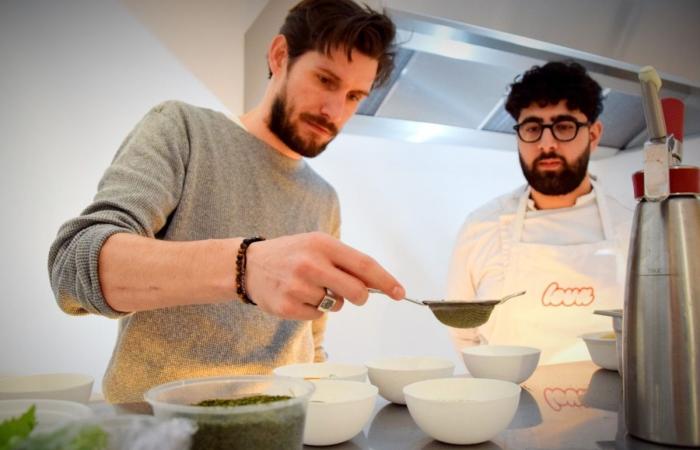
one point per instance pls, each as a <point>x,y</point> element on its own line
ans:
<point>458,313</point>
<point>462,314</point>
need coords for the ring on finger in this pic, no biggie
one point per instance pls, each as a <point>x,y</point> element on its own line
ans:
<point>327,302</point>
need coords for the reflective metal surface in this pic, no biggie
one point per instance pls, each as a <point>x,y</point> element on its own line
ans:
<point>564,406</point>
<point>454,73</point>
<point>662,322</point>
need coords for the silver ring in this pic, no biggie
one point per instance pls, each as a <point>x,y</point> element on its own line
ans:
<point>327,303</point>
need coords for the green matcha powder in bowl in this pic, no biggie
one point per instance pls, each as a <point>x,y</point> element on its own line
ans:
<point>268,425</point>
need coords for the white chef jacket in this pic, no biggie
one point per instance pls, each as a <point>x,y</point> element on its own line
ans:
<point>479,259</point>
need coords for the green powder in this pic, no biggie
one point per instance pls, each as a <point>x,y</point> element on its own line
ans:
<point>463,316</point>
<point>274,429</point>
<point>252,400</point>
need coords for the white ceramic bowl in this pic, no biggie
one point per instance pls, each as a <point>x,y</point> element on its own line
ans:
<point>462,410</point>
<point>74,387</point>
<point>338,410</point>
<point>321,371</point>
<point>48,413</point>
<point>616,315</point>
<point>391,375</point>
<point>501,362</point>
<point>602,348</point>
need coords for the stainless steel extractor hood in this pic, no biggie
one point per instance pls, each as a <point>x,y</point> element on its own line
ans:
<point>451,79</point>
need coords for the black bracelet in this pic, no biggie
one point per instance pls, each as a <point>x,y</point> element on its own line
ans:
<point>240,268</point>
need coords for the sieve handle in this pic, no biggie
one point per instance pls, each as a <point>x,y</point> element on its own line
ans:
<point>377,291</point>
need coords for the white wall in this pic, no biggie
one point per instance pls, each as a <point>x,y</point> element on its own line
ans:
<point>207,38</point>
<point>76,77</point>
<point>403,204</point>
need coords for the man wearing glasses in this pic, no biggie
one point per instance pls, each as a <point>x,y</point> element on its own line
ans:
<point>560,237</point>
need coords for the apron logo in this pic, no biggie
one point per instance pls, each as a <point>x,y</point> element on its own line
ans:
<point>558,398</point>
<point>559,296</point>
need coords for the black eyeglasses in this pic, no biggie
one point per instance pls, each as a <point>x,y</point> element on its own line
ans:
<point>563,130</point>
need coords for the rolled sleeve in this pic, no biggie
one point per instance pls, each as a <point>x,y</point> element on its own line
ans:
<point>137,194</point>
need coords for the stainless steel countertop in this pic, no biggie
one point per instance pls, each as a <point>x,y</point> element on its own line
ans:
<point>563,406</point>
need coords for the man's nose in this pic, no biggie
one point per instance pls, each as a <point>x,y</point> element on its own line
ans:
<point>547,140</point>
<point>333,106</point>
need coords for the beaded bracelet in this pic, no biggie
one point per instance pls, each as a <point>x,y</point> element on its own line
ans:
<point>240,268</point>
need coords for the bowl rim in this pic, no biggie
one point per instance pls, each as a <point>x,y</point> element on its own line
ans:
<point>76,409</point>
<point>374,364</point>
<point>76,380</point>
<point>149,395</point>
<point>361,370</point>
<point>594,336</point>
<point>372,391</point>
<point>473,350</point>
<point>509,384</point>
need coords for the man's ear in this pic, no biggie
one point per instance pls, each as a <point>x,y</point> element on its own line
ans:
<point>595,132</point>
<point>277,55</point>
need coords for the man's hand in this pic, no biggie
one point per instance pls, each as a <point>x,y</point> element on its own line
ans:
<point>287,276</point>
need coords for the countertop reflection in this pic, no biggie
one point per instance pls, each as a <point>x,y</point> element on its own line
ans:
<point>562,406</point>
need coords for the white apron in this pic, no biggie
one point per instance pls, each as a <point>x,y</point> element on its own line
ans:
<point>564,284</point>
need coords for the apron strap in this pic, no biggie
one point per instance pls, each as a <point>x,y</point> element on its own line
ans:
<point>603,210</point>
<point>519,222</point>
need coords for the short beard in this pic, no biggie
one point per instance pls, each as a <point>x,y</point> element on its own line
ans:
<point>557,183</point>
<point>287,132</point>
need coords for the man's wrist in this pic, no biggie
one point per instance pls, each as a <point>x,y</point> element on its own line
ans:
<point>241,266</point>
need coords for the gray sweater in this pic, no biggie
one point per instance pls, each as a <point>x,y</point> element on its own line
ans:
<point>187,173</point>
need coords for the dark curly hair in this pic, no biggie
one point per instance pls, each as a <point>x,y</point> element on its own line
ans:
<point>326,25</point>
<point>553,82</point>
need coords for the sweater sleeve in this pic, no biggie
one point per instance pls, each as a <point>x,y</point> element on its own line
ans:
<point>137,193</point>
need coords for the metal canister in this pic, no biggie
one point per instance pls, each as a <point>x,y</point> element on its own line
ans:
<point>661,329</point>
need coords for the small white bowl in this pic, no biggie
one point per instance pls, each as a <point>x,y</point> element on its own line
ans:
<point>602,348</point>
<point>48,412</point>
<point>322,371</point>
<point>616,315</point>
<point>460,410</point>
<point>501,362</point>
<point>338,410</point>
<point>74,387</point>
<point>391,375</point>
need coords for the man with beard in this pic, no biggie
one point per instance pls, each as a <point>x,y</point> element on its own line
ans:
<point>560,238</point>
<point>171,244</point>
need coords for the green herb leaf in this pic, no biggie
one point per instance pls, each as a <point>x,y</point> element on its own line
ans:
<point>16,429</point>
<point>90,438</point>
<point>85,437</point>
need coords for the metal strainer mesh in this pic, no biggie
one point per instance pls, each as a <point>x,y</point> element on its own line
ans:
<point>462,314</point>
